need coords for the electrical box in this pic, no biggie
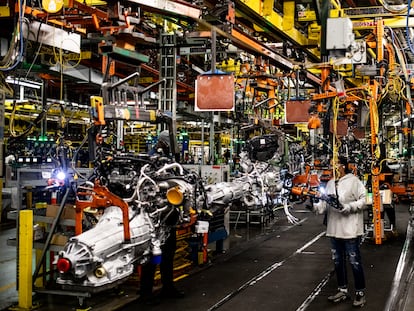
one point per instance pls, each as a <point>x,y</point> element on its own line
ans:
<point>201,226</point>
<point>339,35</point>
<point>4,11</point>
<point>212,174</point>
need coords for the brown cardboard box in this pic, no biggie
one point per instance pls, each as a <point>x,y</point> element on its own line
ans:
<point>52,210</point>
<point>59,239</point>
<point>69,212</point>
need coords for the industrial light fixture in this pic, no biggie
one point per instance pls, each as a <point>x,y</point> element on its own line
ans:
<point>24,82</point>
<point>398,123</point>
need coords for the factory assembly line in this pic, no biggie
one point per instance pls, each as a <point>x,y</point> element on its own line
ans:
<point>282,266</point>
<point>136,195</point>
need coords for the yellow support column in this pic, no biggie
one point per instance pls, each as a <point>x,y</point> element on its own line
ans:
<point>375,170</point>
<point>374,122</point>
<point>25,259</point>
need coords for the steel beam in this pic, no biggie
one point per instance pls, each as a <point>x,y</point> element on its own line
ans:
<point>183,9</point>
<point>252,10</point>
<point>396,22</point>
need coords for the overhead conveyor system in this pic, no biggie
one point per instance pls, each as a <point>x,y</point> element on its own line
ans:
<point>177,8</point>
<point>363,17</point>
<point>265,18</point>
<point>272,23</point>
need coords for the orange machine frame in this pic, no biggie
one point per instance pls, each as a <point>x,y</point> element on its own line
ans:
<point>101,197</point>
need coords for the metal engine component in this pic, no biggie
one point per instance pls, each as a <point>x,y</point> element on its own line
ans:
<point>159,195</point>
<point>143,197</point>
<point>262,185</point>
<point>225,192</point>
<point>99,257</point>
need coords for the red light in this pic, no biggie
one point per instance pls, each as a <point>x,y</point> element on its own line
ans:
<point>63,265</point>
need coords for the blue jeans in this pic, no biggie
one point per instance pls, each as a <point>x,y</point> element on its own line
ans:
<point>343,249</point>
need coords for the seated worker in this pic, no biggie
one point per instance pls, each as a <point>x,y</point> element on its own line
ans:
<point>168,250</point>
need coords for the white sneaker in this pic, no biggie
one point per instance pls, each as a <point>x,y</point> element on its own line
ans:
<point>341,295</point>
<point>359,300</point>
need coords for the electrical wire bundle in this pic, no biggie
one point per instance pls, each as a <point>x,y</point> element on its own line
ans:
<point>16,51</point>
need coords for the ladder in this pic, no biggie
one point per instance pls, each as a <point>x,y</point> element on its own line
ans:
<point>168,72</point>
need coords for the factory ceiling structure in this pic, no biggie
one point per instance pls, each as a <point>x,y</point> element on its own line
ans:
<point>286,34</point>
<point>280,52</point>
<point>289,59</point>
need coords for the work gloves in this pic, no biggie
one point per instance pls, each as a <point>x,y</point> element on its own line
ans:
<point>349,208</point>
<point>346,209</point>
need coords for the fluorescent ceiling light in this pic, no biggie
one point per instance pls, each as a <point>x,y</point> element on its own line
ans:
<point>23,82</point>
<point>398,123</point>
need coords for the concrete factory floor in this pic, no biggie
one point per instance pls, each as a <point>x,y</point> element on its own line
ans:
<point>274,267</point>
